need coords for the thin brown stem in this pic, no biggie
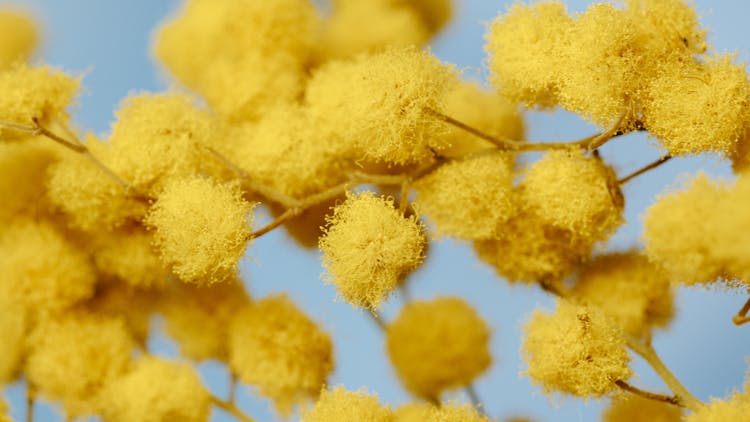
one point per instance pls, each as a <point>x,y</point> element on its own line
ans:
<point>232,387</point>
<point>30,397</point>
<point>277,222</point>
<point>589,143</point>
<point>647,352</point>
<point>644,169</point>
<point>742,317</point>
<point>232,409</point>
<point>647,394</point>
<point>474,398</point>
<point>75,146</point>
<point>377,318</point>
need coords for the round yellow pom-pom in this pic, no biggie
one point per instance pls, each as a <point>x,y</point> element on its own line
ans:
<point>525,51</point>
<point>201,228</point>
<point>156,390</point>
<point>339,404</point>
<point>628,288</point>
<point>575,350</point>
<point>357,26</point>
<point>23,168</point>
<point>469,198</point>
<point>530,250</point>
<point>574,192</point>
<point>699,107</point>
<point>18,37</point>
<point>677,232</point>
<point>35,92</point>
<point>369,247</point>
<point>129,255</point>
<point>438,345</point>
<point>276,347</point>
<point>42,271</point>
<point>156,137</point>
<point>446,412</point>
<point>91,199</point>
<point>735,408</point>
<point>73,357</point>
<point>633,408</point>
<point>671,25</point>
<point>383,103</point>
<point>198,317</point>
<point>241,55</point>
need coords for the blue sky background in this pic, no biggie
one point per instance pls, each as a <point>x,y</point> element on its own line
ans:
<point>110,42</point>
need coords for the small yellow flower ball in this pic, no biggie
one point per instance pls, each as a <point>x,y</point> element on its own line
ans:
<point>273,345</point>
<point>369,247</point>
<point>574,192</point>
<point>338,404</point>
<point>19,36</point>
<point>469,198</point>
<point>628,288</point>
<point>438,345</point>
<point>201,228</point>
<point>73,357</point>
<point>575,350</point>
<point>446,412</point>
<point>156,390</point>
<point>633,408</point>
<point>736,407</point>
<point>23,172</point>
<point>128,255</point>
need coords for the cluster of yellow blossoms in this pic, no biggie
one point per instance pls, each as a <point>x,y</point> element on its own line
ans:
<point>334,122</point>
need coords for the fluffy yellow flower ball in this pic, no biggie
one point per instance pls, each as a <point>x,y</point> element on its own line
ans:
<point>446,412</point>
<point>201,228</point>
<point>575,350</point>
<point>273,345</point>
<point>23,171</point>
<point>469,198</point>
<point>13,329</point>
<point>574,192</point>
<point>628,288</point>
<point>43,271</point>
<point>369,247</point>
<point>338,404</point>
<point>156,390</point>
<point>383,102</point>
<point>73,357</point>
<point>34,92</point>
<point>128,255</point>
<point>198,317</point>
<point>635,408</point>
<point>736,407</point>
<point>425,360</point>
<point>18,36</point>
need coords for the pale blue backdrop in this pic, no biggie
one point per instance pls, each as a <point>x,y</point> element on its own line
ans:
<point>110,42</point>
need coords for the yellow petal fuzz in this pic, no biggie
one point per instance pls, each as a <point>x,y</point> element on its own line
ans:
<point>735,407</point>
<point>201,228</point>
<point>632,408</point>
<point>678,231</point>
<point>469,198</point>
<point>23,166</point>
<point>34,92</point>
<point>42,271</point>
<point>575,350</point>
<point>13,328</point>
<point>338,404</point>
<point>446,412</point>
<point>72,358</point>
<point>90,198</point>
<point>357,26</point>
<point>425,360</point>
<point>574,192</point>
<point>699,107</point>
<point>525,47</point>
<point>382,103</point>
<point>369,247</point>
<point>156,137</point>
<point>242,55</point>
<point>129,255</point>
<point>18,36</point>
<point>628,288</point>
<point>198,317</point>
<point>671,24</point>
<point>273,345</point>
<point>530,250</point>
<point>156,390</point>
